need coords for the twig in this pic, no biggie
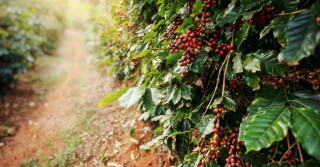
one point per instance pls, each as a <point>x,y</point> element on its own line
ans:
<point>287,151</point>
<point>295,12</point>
<point>226,67</point>
<point>214,69</point>
<point>300,152</point>
<point>219,74</point>
<point>275,150</point>
<point>288,141</point>
<point>224,75</point>
<point>216,88</point>
<point>157,49</point>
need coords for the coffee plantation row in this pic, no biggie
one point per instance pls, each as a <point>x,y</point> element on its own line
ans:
<point>224,83</point>
<point>27,29</point>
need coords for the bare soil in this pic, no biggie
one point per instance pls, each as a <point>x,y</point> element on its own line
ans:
<point>44,115</point>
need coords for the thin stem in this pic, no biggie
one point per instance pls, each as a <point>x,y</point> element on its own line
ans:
<point>216,88</point>
<point>224,75</point>
<point>288,141</point>
<point>274,154</point>
<point>158,49</point>
<point>226,67</point>
<point>300,152</point>
<point>295,12</point>
<point>214,69</point>
<point>287,151</point>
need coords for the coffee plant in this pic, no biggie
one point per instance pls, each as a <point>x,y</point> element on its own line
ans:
<point>25,32</point>
<point>224,83</point>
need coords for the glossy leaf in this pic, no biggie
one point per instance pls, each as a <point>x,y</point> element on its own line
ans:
<point>229,17</point>
<point>183,140</point>
<point>242,34</point>
<point>252,64</point>
<point>142,54</point>
<point>308,99</point>
<point>197,65</point>
<point>207,125</point>
<point>176,96</point>
<point>265,97</point>
<point>174,57</point>
<point>249,4</point>
<point>265,127</point>
<point>229,103</point>
<point>197,8</point>
<point>303,36</point>
<point>305,127</point>
<point>237,64</point>
<point>288,5</point>
<point>252,80</point>
<point>269,62</point>
<point>112,97</point>
<point>132,96</point>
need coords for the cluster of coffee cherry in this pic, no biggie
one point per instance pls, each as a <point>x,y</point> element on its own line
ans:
<point>265,16</point>
<point>173,28</point>
<point>223,138</point>
<point>234,159</point>
<point>207,4</point>
<point>234,84</point>
<point>206,17</point>
<point>224,48</point>
<point>236,26</point>
<point>191,3</point>
<point>219,109</point>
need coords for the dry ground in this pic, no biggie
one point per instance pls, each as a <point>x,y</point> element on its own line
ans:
<point>55,120</point>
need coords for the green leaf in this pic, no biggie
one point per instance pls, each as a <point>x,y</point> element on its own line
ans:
<point>162,10</point>
<point>171,10</point>
<point>187,23</point>
<point>148,37</point>
<point>265,127</point>
<point>303,36</point>
<point>287,5</point>
<point>174,57</point>
<point>315,9</point>
<point>280,28</point>
<point>186,92</point>
<point>176,96</point>
<point>252,80</point>
<point>152,97</point>
<point>142,54</point>
<point>206,126</point>
<point>267,29</point>
<point>308,99</point>
<point>144,64</point>
<point>252,64</point>
<point>229,103</point>
<point>305,127</point>
<point>110,98</point>
<point>183,140</point>
<point>265,97</point>
<point>270,63</point>
<point>242,34</point>
<point>197,7</point>
<point>249,4</point>
<point>228,17</point>
<point>197,65</point>
<point>132,96</point>
<point>237,64</point>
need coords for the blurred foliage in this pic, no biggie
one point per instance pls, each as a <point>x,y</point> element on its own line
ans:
<point>27,29</point>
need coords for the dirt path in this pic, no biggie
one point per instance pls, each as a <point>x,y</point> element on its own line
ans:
<point>45,120</point>
<point>68,128</point>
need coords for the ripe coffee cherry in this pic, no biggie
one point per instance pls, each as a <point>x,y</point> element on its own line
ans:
<point>265,16</point>
<point>173,28</point>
